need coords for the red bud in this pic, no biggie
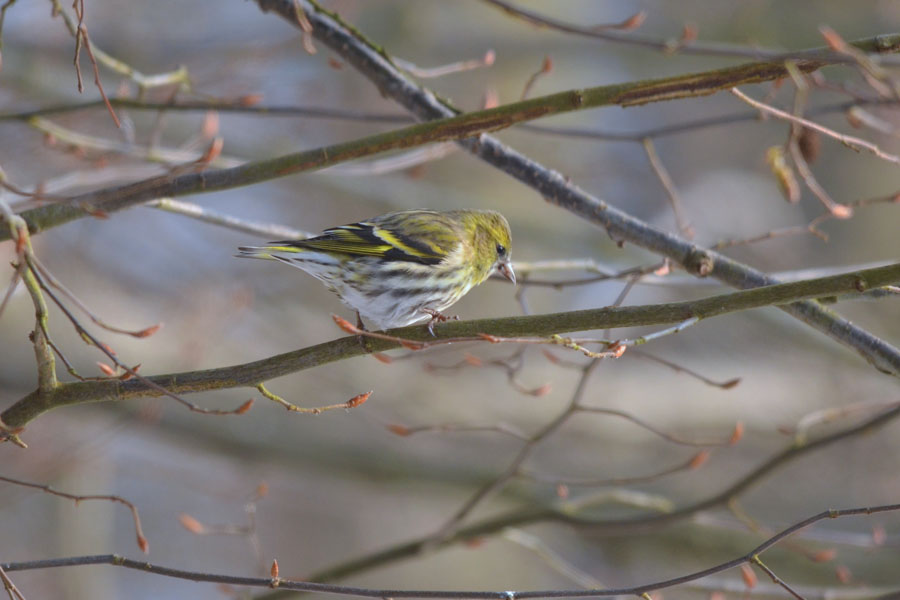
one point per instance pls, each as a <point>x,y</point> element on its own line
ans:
<point>699,459</point>
<point>748,576</point>
<point>359,399</point>
<point>191,524</point>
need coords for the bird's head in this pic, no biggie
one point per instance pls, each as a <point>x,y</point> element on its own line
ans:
<point>491,241</point>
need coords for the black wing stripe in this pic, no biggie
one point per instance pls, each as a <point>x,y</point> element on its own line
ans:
<point>367,232</point>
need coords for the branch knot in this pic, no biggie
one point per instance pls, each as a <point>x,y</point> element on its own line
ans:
<point>699,262</point>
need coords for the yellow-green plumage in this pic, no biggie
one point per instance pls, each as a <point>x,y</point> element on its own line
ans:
<point>402,267</point>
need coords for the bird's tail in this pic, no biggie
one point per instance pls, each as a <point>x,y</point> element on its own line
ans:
<point>255,252</point>
<point>268,252</point>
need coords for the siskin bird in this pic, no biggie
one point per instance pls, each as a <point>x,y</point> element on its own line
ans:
<point>402,267</point>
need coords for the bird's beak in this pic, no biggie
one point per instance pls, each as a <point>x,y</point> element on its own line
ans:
<point>507,271</point>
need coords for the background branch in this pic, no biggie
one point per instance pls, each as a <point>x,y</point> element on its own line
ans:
<point>304,586</point>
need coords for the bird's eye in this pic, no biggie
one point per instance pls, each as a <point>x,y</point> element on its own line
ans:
<point>501,250</point>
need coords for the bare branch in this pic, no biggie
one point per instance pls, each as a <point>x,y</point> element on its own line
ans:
<point>672,194</point>
<point>656,431</point>
<point>685,45</point>
<point>351,403</point>
<point>486,60</point>
<point>306,586</point>
<point>8,585</point>
<point>687,465</point>
<point>201,213</point>
<point>854,143</point>
<point>40,337</point>
<point>179,76</point>
<point>141,539</point>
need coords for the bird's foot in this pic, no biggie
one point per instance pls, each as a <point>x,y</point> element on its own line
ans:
<point>360,337</point>
<point>437,317</point>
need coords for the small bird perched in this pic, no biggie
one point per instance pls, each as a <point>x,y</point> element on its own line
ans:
<point>402,267</point>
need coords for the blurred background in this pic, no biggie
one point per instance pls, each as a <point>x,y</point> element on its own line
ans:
<point>341,485</point>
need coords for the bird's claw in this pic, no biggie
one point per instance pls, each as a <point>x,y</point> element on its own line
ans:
<point>361,337</point>
<point>437,317</point>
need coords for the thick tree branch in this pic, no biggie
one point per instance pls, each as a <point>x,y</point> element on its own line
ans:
<point>254,373</point>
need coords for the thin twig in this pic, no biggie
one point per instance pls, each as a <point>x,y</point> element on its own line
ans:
<point>832,414</point>
<point>270,231</point>
<point>656,431</point>
<point>501,428</point>
<point>552,558</point>
<point>8,585</point>
<point>51,280</point>
<point>770,235</point>
<point>141,540</point>
<point>608,33</point>
<point>248,531</point>
<point>588,265</point>
<point>143,81</point>
<point>546,68</point>
<point>87,46</point>
<point>351,403</point>
<point>40,337</point>
<point>836,209</point>
<point>854,143</point>
<point>19,231</point>
<point>684,226</point>
<point>153,154</point>
<point>687,465</point>
<point>875,75</point>
<point>3,9</point>
<point>725,385</point>
<point>775,578</point>
<point>82,39</point>
<point>486,60</point>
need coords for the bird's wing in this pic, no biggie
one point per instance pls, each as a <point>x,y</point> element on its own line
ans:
<point>423,237</point>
